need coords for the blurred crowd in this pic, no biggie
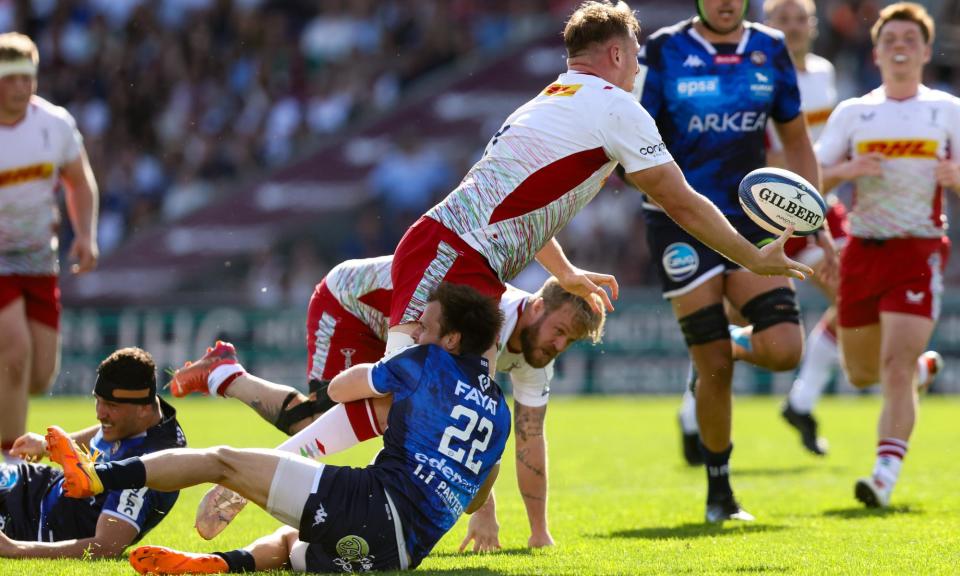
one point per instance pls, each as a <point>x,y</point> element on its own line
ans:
<point>218,89</point>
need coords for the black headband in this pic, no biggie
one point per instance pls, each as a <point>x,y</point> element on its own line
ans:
<point>126,393</point>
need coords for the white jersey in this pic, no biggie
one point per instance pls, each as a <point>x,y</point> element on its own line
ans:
<point>547,161</point>
<point>34,151</point>
<point>363,288</point>
<point>531,386</point>
<point>913,134</point>
<point>818,96</point>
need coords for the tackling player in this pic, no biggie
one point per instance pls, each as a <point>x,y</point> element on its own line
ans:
<point>38,521</point>
<point>346,322</point>
<point>548,160</point>
<point>448,425</point>
<point>41,147</point>
<point>711,83</point>
<point>896,144</point>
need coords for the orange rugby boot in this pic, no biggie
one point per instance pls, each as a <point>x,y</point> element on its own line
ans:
<point>80,479</point>
<point>193,378</point>
<point>161,560</point>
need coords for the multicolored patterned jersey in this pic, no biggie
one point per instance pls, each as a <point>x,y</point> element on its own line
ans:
<point>712,102</point>
<point>913,135</point>
<point>35,508</point>
<point>363,288</point>
<point>545,163</point>
<point>448,426</point>
<point>818,97</point>
<point>33,152</point>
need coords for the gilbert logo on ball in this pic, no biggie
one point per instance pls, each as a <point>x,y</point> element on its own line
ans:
<point>774,199</point>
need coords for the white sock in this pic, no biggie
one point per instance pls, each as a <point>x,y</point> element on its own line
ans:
<point>818,364</point>
<point>220,374</point>
<point>398,341</point>
<point>890,454</point>
<point>339,428</point>
<point>688,413</point>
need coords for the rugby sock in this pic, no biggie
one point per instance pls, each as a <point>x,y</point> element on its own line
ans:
<point>222,377</point>
<point>740,335</point>
<point>129,473</point>
<point>397,341</point>
<point>238,561</point>
<point>718,473</point>
<point>815,370</point>
<point>890,454</point>
<point>341,427</point>
<point>688,413</point>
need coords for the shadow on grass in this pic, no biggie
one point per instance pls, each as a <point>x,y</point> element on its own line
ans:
<point>692,530</point>
<point>861,512</point>
<point>449,572</point>
<point>785,471</point>
<point>518,551</point>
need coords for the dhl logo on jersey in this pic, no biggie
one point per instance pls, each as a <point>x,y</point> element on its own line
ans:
<point>25,174</point>
<point>818,117</point>
<point>562,89</point>
<point>900,148</point>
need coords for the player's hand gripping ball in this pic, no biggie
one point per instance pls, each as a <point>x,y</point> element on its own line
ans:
<point>774,199</point>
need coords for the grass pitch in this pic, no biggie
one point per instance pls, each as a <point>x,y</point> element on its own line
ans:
<point>621,502</point>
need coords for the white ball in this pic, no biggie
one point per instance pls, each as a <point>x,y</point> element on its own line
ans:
<point>775,198</point>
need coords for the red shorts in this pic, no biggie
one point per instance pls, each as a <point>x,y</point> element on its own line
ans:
<point>902,275</point>
<point>836,223</point>
<point>41,296</point>
<point>428,254</point>
<point>336,339</point>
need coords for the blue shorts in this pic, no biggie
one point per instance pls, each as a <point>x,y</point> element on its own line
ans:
<point>349,524</point>
<point>683,262</point>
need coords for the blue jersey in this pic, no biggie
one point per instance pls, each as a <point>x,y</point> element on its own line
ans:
<point>448,426</point>
<point>35,507</point>
<point>711,102</point>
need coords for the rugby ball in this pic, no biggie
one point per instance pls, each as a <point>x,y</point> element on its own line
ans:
<point>775,198</point>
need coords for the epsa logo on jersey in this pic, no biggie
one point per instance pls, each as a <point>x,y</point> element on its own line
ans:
<point>680,261</point>
<point>695,87</point>
<point>900,148</point>
<point>562,89</point>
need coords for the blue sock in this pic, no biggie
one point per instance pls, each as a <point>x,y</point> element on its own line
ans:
<point>239,561</point>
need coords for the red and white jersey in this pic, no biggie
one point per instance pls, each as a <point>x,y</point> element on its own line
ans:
<point>32,152</point>
<point>818,96</point>
<point>547,161</point>
<point>531,386</point>
<point>363,288</point>
<point>913,134</point>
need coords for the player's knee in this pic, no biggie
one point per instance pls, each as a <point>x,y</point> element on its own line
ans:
<point>771,308</point>
<point>706,325</point>
<point>780,353</point>
<point>861,376</point>
<point>225,461</point>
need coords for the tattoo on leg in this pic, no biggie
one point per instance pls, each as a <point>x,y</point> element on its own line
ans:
<point>528,496</point>
<point>266,411</point>
<point>523,459</point>
<point>528,422</point>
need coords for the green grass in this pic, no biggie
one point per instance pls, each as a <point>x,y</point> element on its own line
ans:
<point>622,503</point>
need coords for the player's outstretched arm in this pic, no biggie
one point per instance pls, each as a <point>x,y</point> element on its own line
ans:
<point>111,538</point>
<point>797,149</point>
<point>82,208</point>
<point>697,215</point>
<point>352,384</point>
<point>587,285</point>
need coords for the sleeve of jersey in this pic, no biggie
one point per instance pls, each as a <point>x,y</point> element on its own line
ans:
<point>531,386</point>
<point>833,145</point>
<point>631,137</point>
<point>786,104</point>
<point>400,374</point>
<point>130,506</point>
<point>72,140</point>
<point>954,150</point>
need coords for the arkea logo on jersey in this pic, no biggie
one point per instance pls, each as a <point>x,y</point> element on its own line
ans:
<point>900,148</point>
<point>741,121</point>
<point>25,174</point>
<point>562,89</point>
<point>697,87</point>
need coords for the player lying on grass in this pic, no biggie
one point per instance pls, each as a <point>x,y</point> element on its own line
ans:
<point>448,425</point>
<point>38,521</point>
<point>346,321</point>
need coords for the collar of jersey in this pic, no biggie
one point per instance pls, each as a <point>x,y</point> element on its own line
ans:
<point>710,48</point>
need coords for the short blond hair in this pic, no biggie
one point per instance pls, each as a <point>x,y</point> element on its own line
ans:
<point>594,22</point>
<point>16,46</point>
<point>906,12</point>
<point>587,322</point>
<point>771,6</point>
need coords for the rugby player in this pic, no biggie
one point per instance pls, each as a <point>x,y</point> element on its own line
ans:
<point>896,144</point>
<point>711,83</point>
<point>41,147</point>
<point>38,521</point>
<point>448,425</point>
